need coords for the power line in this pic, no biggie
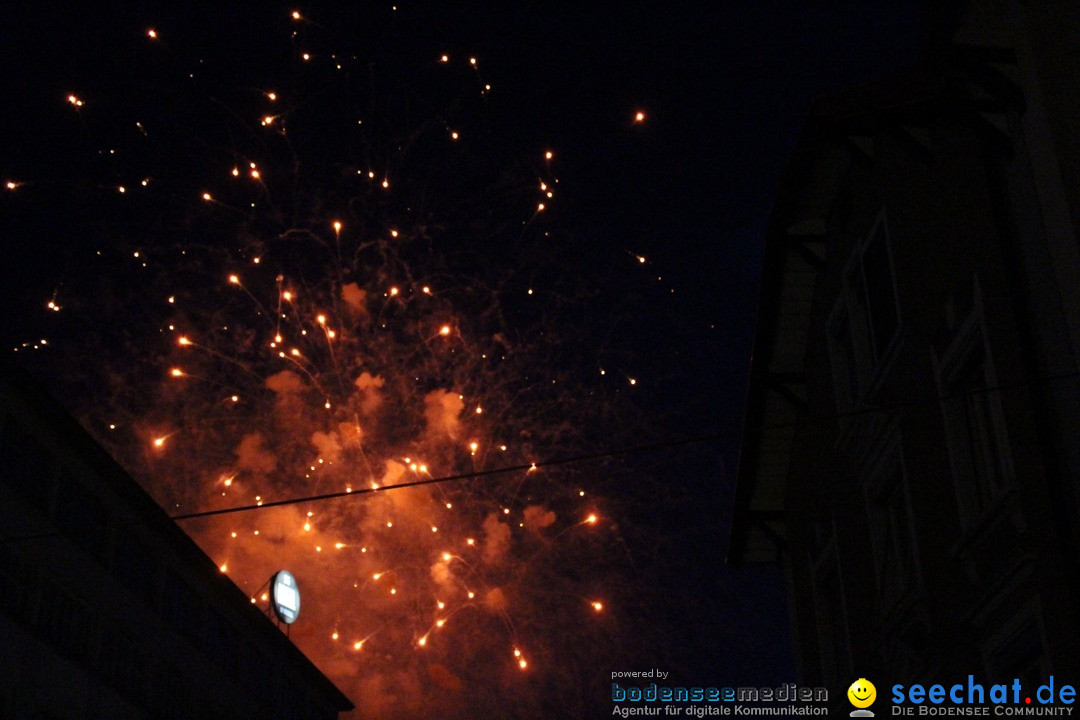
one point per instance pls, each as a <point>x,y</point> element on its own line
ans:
<point>740,433</point>
<point>416,483</point>
<point>459,476</point>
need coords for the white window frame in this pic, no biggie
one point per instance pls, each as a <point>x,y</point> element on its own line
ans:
<point>825,568</point>
<point>973,500</point>
<point>851,384</point>
<point>887,475</point>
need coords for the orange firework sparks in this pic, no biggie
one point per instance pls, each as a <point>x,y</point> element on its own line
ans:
<point>361,324</point>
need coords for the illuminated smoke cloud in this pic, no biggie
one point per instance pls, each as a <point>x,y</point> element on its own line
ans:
<point>496,539</point>
<point>370,392</point>
<point>442,414</point>
<point>538,518</point>
<point>355,298</point>
<point>327,445</point>
<point>354,355</point>
<point>253,456</point>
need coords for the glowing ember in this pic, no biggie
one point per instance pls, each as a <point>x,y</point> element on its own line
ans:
<point>368,359</point>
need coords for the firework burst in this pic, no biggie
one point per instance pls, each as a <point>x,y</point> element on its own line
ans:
<point>303,285</point>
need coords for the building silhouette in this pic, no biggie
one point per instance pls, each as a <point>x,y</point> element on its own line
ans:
<point>107,608</point>
<point>911,446</point>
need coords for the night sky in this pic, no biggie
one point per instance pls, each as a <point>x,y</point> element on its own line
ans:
<point>724,88</point>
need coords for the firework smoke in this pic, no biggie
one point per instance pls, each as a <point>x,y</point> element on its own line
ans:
<point>307,286</point>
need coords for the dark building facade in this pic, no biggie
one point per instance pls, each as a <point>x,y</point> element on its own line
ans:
<point>910,450</point>
<point>107,608</point>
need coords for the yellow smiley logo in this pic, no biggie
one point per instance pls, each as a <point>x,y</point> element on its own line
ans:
<point>862,693</point>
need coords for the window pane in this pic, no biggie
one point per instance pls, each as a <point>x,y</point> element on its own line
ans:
<point>974,427</point>
<point>880,293</point>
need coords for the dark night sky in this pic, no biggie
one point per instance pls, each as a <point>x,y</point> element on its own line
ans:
<point>726,86</point>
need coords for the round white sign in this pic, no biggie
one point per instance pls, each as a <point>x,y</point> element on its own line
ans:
<point>285,596</point>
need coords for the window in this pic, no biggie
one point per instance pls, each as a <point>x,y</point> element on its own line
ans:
<point>866,319</point>
<point>1018,649</point>
<point>879,290</point>
<point>845,361</point>
<point>892,538</point>
<point>833,644</point>
<point>974,420</point>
